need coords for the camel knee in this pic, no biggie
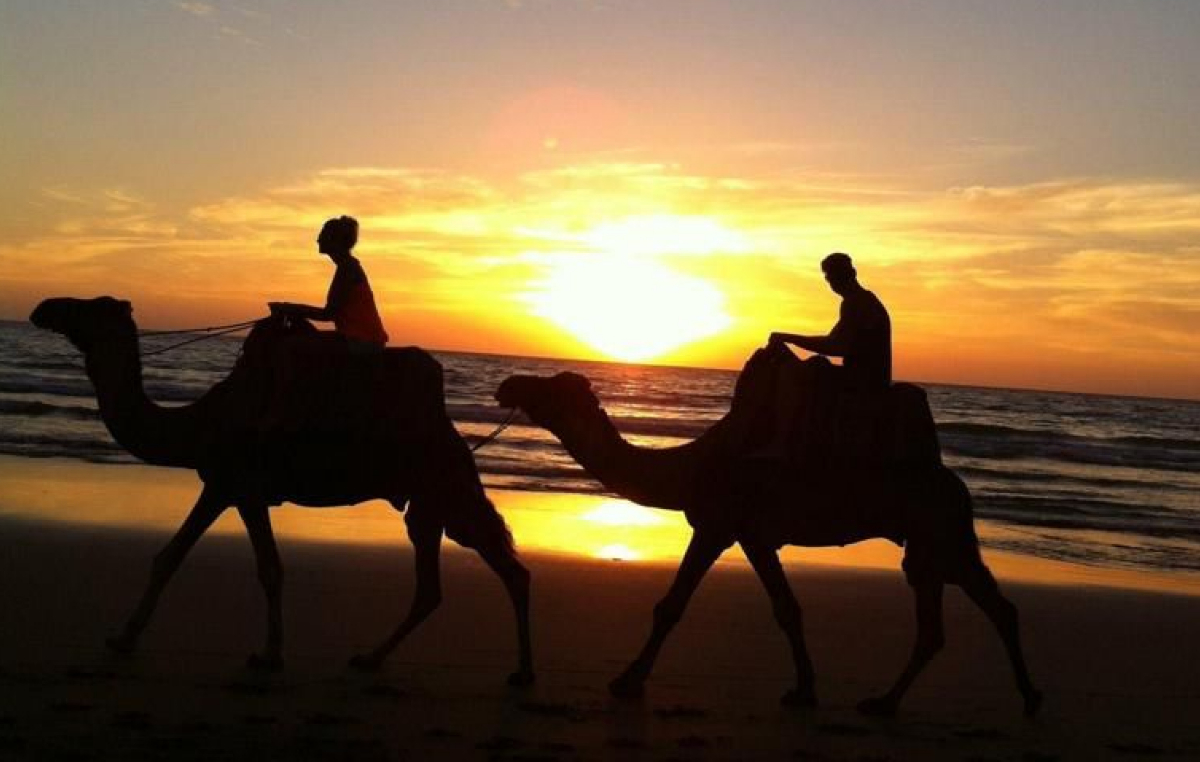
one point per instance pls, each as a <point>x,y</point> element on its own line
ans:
<point>929,644</point>
<point>270,576</point>
<point>518,579</point>
<point>788,615</point>
<point>427,602</point>
<point>163,563</point>
<point>667,613</point>
<point>1005,613</point>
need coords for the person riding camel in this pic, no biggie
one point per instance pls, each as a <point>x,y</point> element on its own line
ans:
<point>862,337</point>
<point>349,305</point>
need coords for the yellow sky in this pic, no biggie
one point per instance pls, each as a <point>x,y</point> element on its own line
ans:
<point>1076,285</point>
<point>639,180</point>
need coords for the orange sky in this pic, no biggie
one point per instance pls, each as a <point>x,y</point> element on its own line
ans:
<point>610,180</point>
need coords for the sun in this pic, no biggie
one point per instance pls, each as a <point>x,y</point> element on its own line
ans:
<point>625,303</point>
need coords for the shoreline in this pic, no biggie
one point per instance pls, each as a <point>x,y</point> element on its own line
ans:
<point>132,497</point>
<point>1115,663</point>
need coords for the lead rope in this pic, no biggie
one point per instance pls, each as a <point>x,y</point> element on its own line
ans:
<point>512,411</point>
<point>211,332</point>
<point>220,330</point>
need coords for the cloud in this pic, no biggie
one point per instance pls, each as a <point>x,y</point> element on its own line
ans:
<point>1076,267</point>
<point>199,9</point>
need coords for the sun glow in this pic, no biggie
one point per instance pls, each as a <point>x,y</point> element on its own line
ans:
<point>620,299</point>
<point>622,513</point>
<point>618,552</point>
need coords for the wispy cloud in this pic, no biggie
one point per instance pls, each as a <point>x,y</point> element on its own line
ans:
<point>200,9</point>
<point>1055,272</point>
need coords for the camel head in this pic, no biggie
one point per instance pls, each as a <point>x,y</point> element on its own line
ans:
<point>546,399</point>
<point>84,321</point>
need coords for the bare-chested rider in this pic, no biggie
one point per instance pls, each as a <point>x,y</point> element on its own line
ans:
<point>862,338</point>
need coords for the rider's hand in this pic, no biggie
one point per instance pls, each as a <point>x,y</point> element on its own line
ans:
<point>278,309</point>
<point>775,341</point>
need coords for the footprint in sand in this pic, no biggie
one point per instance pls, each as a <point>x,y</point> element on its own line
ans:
<point>625,743</point>
<point>680,713</point>
<point>324,719</point>
<point>840,729</point>
<point>132,721</point>
<point>693,742</point>
<point>500,743</point>
<point>1138,749</point>
<point>562,711</point>
<point>90,674</point>
<point>259,719</point>
<point>382,691</point>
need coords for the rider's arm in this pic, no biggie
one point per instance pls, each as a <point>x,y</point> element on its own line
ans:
<point>834,343</point>
<point>339,290</point>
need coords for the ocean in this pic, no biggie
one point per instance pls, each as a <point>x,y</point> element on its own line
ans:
<point>1090,479</point>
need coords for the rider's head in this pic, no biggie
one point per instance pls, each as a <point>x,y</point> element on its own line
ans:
<point>338,235</point>
<point>839,272</point>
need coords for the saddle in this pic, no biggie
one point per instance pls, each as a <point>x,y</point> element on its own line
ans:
<point>832,425</point>
<point>292,378</point>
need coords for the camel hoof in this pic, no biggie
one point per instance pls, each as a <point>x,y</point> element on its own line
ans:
<point>1033,703</point>
<point>799,698</point>
<point>264,662</point>
<point>877,707</point>
<point>626,688</point>
<point>366,663</point>
<point>123,644</point>
<point>521,679</point>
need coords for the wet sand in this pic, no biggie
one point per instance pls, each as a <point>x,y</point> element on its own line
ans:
<point>1118,666</point>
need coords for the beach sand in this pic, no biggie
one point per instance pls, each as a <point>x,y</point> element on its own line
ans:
<point>1118,664</point>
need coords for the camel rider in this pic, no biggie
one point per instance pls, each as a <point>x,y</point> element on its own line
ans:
<point>349,305</point>
<point>862,337</point>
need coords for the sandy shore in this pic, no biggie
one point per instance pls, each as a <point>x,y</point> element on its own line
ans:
<point>1119,666</point>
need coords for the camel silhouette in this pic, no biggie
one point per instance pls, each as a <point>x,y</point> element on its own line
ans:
<point>762,506</point>
<point>413,458</point>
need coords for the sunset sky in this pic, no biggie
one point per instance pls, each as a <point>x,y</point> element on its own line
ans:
<point>654,180</point>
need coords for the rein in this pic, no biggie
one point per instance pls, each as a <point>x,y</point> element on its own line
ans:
<point>214,331</point>
<point>512,411</point>
<point>209,332</point>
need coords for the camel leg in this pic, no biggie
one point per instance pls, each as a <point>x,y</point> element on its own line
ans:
<point>208,507</point>
<point>930,639</point>
<point>702,552</point>
<point>983,590</point>
<point>426,538</point>
<point>790,618</point>
<point>257,519</point>
<point>515,576</point>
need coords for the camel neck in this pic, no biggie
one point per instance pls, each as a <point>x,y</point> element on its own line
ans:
<point>154,434</point>
<point>660,478</point>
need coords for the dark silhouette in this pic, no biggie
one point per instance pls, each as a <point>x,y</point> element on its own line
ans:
<point>862,335</point>
<point>349,305</point>
<point>394,441</point>
<point>763,505</point>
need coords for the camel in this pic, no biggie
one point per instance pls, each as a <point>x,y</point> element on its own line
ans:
<point>413,458</point>
<point>763,505</point>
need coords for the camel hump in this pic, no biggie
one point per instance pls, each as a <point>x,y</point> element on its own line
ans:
<point>828,423</point>
<point>296,378</point>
